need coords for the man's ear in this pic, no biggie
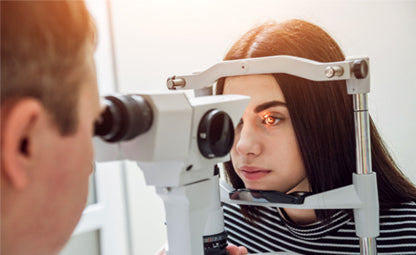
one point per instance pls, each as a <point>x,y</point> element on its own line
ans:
<point>17,129</point>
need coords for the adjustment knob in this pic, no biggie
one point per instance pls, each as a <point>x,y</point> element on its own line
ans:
<point>360,68</point>
<point>215,134</point>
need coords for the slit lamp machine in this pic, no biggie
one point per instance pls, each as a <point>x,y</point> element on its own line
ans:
<point>177,140</point>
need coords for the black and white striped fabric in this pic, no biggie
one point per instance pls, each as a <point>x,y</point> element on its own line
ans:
<point>273,233</point>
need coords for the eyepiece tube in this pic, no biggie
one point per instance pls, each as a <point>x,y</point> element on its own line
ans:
<point>124,118</point>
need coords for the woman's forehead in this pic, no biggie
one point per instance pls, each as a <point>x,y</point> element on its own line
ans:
<point>260,87</point>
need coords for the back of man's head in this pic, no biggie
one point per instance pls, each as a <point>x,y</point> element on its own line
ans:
<point>44,49</point>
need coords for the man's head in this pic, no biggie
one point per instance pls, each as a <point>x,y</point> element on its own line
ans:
<point>46,49</point>
<point>49,102</point>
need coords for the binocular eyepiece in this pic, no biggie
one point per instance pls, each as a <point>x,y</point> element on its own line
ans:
<point>124,118</point>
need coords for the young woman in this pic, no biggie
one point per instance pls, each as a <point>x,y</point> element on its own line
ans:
<point>297,136</point>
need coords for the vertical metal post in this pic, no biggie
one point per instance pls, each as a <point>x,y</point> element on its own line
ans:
<point>363,152</point>
<point>362,134</point>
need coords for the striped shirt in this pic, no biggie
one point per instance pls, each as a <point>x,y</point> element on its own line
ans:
<point>273,234</point>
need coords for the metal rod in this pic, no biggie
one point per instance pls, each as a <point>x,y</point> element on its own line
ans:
<point>362,134</point>
<point>368,245</point>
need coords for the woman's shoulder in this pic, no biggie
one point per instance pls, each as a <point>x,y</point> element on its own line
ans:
<point>398,227</point>
<point>401,217</point>
<point>405,209</point>
<point>401,208</point>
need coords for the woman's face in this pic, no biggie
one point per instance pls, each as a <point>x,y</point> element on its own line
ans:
<point>265,154</point>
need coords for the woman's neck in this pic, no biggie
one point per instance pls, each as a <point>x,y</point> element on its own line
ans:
<point>300,216</point>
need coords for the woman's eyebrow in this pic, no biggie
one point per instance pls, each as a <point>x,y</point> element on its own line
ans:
<point>264,106</point>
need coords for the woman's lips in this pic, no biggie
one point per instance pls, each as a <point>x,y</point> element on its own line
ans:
<point>253,173</point>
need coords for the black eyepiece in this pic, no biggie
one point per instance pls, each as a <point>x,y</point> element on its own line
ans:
<point>124,118</point>
<point>215,134</point>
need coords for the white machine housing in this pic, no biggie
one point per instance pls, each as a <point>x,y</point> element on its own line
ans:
<point>171,142</point>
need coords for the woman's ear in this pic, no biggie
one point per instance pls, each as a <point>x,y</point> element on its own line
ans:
<point>17,130</point>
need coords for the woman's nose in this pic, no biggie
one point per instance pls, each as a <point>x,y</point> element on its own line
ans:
<point>247,141</point>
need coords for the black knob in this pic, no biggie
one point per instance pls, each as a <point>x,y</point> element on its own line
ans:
<point>215,244</point>
<point>215,134</point>
<point>124,118</point>
<point>360,68</point>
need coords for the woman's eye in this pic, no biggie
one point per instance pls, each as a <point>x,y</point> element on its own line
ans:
<point>270,120</point>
